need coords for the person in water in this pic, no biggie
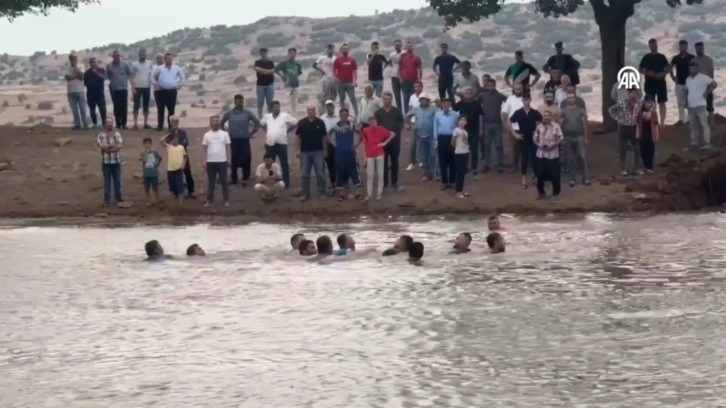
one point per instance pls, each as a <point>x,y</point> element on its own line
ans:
<point>462,243</point>
<point>346,245</point>
<point>324,247</point>
<point>307,248</point>
<point>154,251</point>
<point>195,250</point>
<point>295,241</point>
<point>493,223</point>
<point>495,241</point>
<point>401,246</point>
<point>416,253</point>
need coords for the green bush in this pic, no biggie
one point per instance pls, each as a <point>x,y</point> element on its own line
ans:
<point>432,33</point>
<point>274,40</point>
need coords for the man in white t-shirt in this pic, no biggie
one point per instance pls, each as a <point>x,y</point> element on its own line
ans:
<point>324,65</point>
<point>511,105</point>
<point>268,178</point>
<point>698,87</point>
<point>76,93</point>
<point>278,125</point>
<point>395,58</point>
<point>141,88</point>
<point>216,160</point>
<point>413,103</point>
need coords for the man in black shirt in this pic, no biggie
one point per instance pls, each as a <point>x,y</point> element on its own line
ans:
<point>265,69</point>
<point>554,82</point>
<point>527,118</point>
<point>444,66</point>
<point>680,62</point>
<point>93,80</point>
<point>391,118</point>
<point>566,63</point>
<point>520,72</point>
<point>312,141</point>
<point>471,108</point>
<point>376,62</point>
<point>654,66</point>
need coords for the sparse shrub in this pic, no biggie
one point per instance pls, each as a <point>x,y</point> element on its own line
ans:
<point>6,104</point>
<point>586,89</point>
<point>45,105</point>
<point>274,40</point>
<point>22,98</point>
<point>196,87</point>
<point>432,33</point>
<point>202,77</point>
<point>28,107</point>
<point>201,92</point>
<point>183,114</point>
<point>241,79</point>
<point>21,82</point>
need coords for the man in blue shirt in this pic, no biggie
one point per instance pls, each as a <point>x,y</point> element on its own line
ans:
<point>444,125</point>
<point>342,137</point>
<point>444,66</point>
<point>422,117</point>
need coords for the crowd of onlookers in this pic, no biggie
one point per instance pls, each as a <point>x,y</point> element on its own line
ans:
<point>461,131</point>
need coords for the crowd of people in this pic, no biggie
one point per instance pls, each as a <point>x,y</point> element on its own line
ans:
<point>460,132</point>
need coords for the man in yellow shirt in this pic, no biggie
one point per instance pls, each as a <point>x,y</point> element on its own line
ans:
<point>176,156</point>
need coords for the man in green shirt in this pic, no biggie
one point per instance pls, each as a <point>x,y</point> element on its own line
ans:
<point>290,71</point>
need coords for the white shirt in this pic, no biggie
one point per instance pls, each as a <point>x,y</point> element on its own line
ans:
<point>277,127</point>
<point>216,145</point>
<point>168,78</point>
<point>330,121</point>
<point>511,105</point>
<point>75,85</point>
<point>141,72</point>
<point>326,64</point>
<point>395,58</point>
<point>696,86</point>
<point>263,172</point>
<point>561,95</point>
<point>413,103</point>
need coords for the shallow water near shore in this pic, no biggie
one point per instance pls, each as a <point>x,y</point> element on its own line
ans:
<point>592,311</point>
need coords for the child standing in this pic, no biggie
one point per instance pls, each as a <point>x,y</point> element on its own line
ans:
<point>460,143</point>
<point>375,138</point>
<point>150,161</point>
<point>647,132</point>
<point>176,156</point>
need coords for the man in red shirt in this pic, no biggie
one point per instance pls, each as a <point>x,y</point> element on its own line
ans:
<point>345,72</point>
<point>375,138</point>
<point>410,71</point>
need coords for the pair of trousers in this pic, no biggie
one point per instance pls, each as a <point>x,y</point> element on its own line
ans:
<point>377,87</point>
<point>217,171</point>
<point>188,177</point>
<point>647,150</point>
<point>474,148</point>
<point>265,95</point>
<point>698,121</point>
<point>681,97</point>
<point>111,176</point>
<point>142,97</point>
<point>493,139</point>
<point>461,161</point>
<point>374,173</point>
<point>77,103</point>
<point>241,158</point>
<point>516,151</point>
<point>166,100</point>
<point>279,152</point>
<point>413,149</point>
<point>528,154</point>
<point>346,169</point>
<point>446,87</point>
<point>626,141</point>
<point>313,161</point>
<point>96,99</point>
<point>548,170</point>
<point>330,164</point>
<point>329,92</point>
<point>406,92</point>
<point>347,89</point>
<point>392,152</point>
<point>120,100</point>
<point>175,179</point>
<point>427,155</point>
<point>574,146</point>
<point>396,90</point>
<point>446,159</point>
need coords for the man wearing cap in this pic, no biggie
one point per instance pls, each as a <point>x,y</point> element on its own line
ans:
<point>698,86</point>
<point>422,117</point>
<point>331,120</point>
<point>471,108</point>
<point>565,63</point>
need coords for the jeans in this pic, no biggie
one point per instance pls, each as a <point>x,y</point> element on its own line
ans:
<point>77,103</point>
<point>241,158</point>
<point>265,95</point>
<point>446,159</point>
<point>413,149</point>
<point>627,139</point>
<point>681,100</point>
<point>474,148</point>
<point>493,138</point>
<point>188,177</point>
<point>392,151</point>
<point>647,150</point>
<point>528,154</point>
<point>396,90</point>
<point>347,89</point>
<point>111,174</point>
<point>175,179</point>
<point>279,152</point>
<point>576,156</point>
<point>461,161</point>
<point>96,99</point>
<point>217,171</point>
<point>377,87</point>
<point>346,169</point>
<point>374,172</point>
<point>427,151</point>
<point>446,87</point>
<point>698,119</point>
<point>406,92</point>
<point>548,170</point>
<point>120,99</point>
<point>329,92</point>
<point>166,100</point>
<point>142,97</point>
<point>330,164</point>
<point>313,161</point>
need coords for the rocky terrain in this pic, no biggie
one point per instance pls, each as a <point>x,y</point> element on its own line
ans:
<point>218,59</point>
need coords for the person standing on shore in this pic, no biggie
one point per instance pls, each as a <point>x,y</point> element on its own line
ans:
<point>369,105</point>
<point>345,71</point>
<point>290,71</point>
<point>94,79</point>
<point>460,143</point>
<point>312,140</point>
<point>527,118</point>
<point>444,66</point>
<point>376,62</point>
<point>698,87</point>
<point>521,72</point>
<point>242,126</point>
<point>626,114</point>
<point>680,63</point>
<point>119,75</point>
<point>411,70</point>
<point>414,103</point>
<point>168,79</point>
<point>343,139</point>
<point>375,139</point>
<point>574,127</point>
<point>491,101</point>
<point>265,69</point>
<point>176,156</point>
<point>565,63</point>
<point>422,117</point>
<point>216,159</point>
<point>278,125</point>
<point>324,65</point>
<point>141,88</point>
<point>647,133</point>
<point>394,59</point>
<point>445,122</point>
<point>183,138</point>
<point>150,161</point>
<point>469,107</point>
<point>654,66</point>
<point>706,67</point>
<point>331,120</point>
<point>548,138</point>
<point>74,80</point>
<point>110,142</point>
<point>391,118</point>
<point>159,63</point>
<point>511,105</point>
<point>466,79</point>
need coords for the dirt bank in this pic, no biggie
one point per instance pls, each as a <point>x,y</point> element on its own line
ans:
<point>52,172</point>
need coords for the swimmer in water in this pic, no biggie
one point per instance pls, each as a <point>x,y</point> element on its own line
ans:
<point>462,243</point>
<point>495,241</point>
<point>494,224</point>
<point>154,251</point>
<point>346,245</point>
<point>307,248</point>
<point>325,249</point>
<point>295,241</point>
<point>195,250</point>
<point>401,246</point>
<point>416,253</point>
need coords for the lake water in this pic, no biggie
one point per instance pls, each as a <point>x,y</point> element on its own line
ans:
<point>582,312</point>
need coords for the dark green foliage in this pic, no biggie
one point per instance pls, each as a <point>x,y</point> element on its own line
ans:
<point>274,40</point>
<point>11,9</point>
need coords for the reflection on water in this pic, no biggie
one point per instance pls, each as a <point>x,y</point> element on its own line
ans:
<point>590,312</point>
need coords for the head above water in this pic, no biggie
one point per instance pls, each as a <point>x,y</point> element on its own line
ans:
<point>416,252</point>
<point>403,243</point>
<point>324,245</point>
<point>462,241</point>
<point>493,223</point>
<point>153,248</point>
<point>296,239</point>
<point>307,248</point>
<point>346,241</point>
<point>195,250</point>
<point>495,242</point>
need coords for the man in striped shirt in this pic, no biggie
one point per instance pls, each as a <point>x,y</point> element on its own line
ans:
<point>110,142</point>
<point>626,113</point>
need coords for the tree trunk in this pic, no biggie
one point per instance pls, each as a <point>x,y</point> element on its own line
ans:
<point>612,40</point>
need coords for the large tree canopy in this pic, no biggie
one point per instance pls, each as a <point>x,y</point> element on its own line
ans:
<point>11,9</point>
<point>610,16</point>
